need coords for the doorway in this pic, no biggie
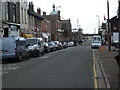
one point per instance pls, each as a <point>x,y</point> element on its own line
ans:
<point>6,32</point>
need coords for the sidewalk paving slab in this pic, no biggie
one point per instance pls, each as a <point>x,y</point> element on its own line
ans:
<point>109,66</point>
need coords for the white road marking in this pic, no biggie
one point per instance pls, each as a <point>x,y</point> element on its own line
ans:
<point>44,57</point>
<point>7,68</point>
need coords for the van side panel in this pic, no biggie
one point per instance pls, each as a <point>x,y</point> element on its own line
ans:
<point>8,45</point>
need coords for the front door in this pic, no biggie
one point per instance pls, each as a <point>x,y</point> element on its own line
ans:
<point>6,34</point>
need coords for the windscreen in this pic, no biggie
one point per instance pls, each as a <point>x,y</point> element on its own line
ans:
<point>96,39</point>
<point>32,41</point>
<point>20,43</point>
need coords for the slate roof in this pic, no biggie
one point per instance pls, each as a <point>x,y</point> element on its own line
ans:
<point>35,14</point>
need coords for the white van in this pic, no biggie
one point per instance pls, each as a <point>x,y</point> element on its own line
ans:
<point>96,41</point>
<point>14,48</point>
<point>36,46</point>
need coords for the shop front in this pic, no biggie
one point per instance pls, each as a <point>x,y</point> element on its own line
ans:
<point>11,29</point>
<point>46,37</point>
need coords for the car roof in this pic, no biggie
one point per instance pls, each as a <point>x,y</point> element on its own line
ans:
<point>15,38</point>
<point>20,38</point>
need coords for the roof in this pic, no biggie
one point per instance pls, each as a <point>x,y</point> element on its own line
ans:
<point>35,14</point>
<point>54,13</point>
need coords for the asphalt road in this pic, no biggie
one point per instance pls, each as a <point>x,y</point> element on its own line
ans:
<point>67,68</point>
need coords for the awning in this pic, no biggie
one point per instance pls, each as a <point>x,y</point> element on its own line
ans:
<point>12,23</point>
<point>27,35</point>
<point>45,35</point>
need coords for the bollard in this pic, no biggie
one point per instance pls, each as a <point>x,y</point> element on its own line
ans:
<point>118,59</point>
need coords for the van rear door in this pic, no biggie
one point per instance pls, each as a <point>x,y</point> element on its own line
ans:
<point>22,47</point>
<point>8,45</point>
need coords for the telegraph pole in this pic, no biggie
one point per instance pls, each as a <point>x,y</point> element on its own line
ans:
<point>109,32</point>
<point>119,22</point>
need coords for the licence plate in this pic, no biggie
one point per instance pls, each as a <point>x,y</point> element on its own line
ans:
<point>1,51</point>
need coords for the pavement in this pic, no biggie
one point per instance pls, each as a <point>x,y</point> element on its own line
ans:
<point>108,72</point>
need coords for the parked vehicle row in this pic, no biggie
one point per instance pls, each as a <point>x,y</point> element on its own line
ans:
<point>18,48</point>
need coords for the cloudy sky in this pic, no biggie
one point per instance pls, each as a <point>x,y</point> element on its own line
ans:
<point>86,11</point>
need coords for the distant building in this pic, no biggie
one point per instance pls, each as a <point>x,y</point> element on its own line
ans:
<point>113,28</point>
<point>104,32</point>
<point>54,18</point>
<point>46,30</point>
<point>34,21</point>
<point>67,30</point>
<point>114,24</point>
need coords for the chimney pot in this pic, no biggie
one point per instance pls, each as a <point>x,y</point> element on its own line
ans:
<point>39,11</point>
<point>44,13</point>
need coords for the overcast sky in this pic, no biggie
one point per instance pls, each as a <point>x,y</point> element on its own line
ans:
<point>83,10</point>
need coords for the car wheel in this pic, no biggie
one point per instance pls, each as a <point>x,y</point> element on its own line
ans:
<point>19,58</point>
<point>28,56</point>
<point>42,53</point>
<point>38,54</point>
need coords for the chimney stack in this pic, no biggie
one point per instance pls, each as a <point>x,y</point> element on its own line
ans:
<point>31,6</point>
<point>39,11</point>
<point>59,15</point>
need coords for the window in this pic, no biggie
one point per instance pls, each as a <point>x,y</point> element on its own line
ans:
<point>25,16</point>
<point>6,10</point>
<point>20,43</point>
<point>31,41</point>
<point>22,14</point>
<point>14,13</point>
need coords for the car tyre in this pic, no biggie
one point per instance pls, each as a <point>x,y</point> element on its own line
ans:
<point>19,58</point>
<point>38,54</point>
<point>42,53</point>
<point>28,56</point>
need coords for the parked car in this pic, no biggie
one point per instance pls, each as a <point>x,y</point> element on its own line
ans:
<point>65,45</point>
<point>52,46</point>
<point>61,45</point>
<point>35,47</point>
<point>70,44</point>
<point>14,48</point>
<point>46,47</point>
<point>57,45</point>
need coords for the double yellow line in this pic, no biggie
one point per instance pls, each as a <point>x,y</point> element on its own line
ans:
<point>94,72</point>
